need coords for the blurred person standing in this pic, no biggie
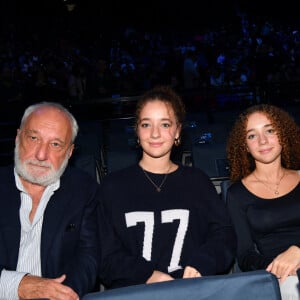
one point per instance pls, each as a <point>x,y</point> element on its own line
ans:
<point>191,74</point>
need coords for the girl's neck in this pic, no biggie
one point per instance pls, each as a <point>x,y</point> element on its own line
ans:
<point>158,166</point>
<point>269,173</point>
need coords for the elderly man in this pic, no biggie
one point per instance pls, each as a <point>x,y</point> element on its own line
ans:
<point>48,226</point>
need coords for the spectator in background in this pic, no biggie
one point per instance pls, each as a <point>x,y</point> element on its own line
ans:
<point>9,89</point>
<point>217,77</point>
<point>190,70</point>
<point>101,80</point>
<point>76,83</point>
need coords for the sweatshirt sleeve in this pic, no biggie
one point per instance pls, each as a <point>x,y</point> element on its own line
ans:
<point>118,268</point>
<point>216,254</point>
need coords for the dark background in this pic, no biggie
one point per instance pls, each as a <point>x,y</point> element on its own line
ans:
<point>98,15</point>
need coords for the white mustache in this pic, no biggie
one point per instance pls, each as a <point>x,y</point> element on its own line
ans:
<point>38,163</point>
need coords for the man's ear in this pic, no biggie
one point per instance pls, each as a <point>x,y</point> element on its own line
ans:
<point>18,134</point>
<point>71,150</point>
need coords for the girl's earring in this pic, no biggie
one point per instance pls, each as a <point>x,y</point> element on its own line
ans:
<point>177,142</point>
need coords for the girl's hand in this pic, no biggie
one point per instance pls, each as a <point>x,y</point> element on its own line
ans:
<point>286,263</point>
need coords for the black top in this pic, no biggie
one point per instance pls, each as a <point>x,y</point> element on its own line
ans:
<point>264,227</point>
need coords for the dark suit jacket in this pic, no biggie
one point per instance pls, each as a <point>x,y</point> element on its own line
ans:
<point>69,242</point>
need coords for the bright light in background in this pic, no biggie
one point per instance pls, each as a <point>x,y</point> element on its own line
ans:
<point>70,5</point>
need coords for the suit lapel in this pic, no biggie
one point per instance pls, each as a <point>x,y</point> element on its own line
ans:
<point>54,216</point>
<point>9,214</point>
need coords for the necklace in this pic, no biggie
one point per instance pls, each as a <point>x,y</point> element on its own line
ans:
<point>275,191</point>
<point>157,187</point>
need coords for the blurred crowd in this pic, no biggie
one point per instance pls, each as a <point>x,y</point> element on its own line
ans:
<point>77,66</point>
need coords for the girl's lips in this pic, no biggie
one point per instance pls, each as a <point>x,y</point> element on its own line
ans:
<point>155,144</point>
<point>265,151</point>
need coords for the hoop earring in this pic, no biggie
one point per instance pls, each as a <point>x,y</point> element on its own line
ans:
<point>177,142</point>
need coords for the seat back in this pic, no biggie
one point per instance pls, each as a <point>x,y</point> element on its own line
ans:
<point>225,184</point>
<point>258,285</point>
<point>88,151</point>
<point>211,158</point>
<point>8,132</point>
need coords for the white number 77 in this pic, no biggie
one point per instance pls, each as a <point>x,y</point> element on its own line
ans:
<point>167,216</point>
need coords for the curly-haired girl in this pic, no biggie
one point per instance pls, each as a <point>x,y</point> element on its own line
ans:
<point>263,150</point>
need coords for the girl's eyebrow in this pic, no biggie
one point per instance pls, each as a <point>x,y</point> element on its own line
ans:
<point>249,130</point>
<point>162,119</point>
<point>252,129</point>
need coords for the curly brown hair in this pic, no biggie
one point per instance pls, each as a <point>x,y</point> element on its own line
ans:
<point>240,160</point>
<point>165,94</point>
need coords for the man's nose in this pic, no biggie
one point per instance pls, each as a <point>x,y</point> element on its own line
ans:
<point>42,151</point>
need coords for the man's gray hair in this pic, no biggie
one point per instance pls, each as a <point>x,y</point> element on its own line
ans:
<point>32,108</point>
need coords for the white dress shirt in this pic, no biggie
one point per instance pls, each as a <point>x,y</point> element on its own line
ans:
<point>29,260</point>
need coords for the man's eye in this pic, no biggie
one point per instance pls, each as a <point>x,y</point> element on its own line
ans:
<point>56,145</point>
<point>32,138</point>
